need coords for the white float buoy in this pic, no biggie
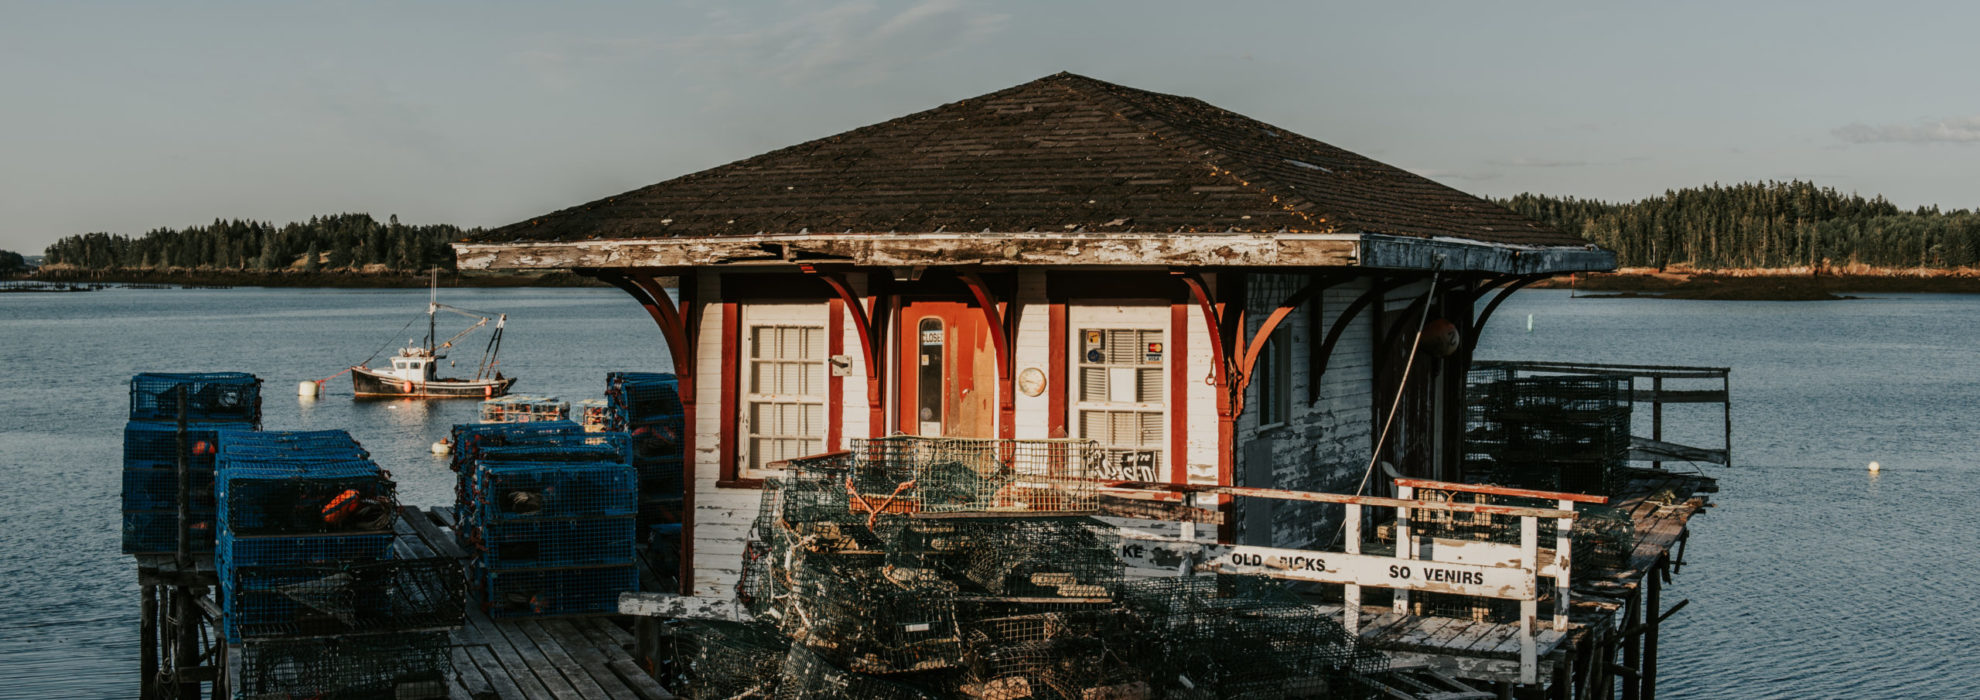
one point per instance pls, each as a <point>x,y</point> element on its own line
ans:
<point>1529,323</point>
<point>306,390</point>
<point>1875,467</point>
<point>441,447</point>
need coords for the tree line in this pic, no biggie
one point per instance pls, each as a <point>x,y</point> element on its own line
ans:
<point>1749,225</point>
<point>334,242</point>
<point>1764,225</point>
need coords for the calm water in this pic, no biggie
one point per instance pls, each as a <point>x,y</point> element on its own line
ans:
<point>1812,579</point>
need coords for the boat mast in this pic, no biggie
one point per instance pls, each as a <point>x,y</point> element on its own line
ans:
<point>432,307</point>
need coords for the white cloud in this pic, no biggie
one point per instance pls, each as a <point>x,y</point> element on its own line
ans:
<point>1949,130</point>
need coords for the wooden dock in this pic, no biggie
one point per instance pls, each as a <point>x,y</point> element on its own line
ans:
<point>529,659</point>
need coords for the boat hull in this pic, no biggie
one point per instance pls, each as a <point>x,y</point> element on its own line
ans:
<point>367,384</point>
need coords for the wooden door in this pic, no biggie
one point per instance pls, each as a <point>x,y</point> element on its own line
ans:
<point>948,372</point>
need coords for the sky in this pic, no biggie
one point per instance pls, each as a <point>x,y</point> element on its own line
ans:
<point>124,117</point>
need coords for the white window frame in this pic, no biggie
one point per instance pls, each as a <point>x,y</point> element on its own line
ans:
<point>1082,318</point>
<point>755,318</point>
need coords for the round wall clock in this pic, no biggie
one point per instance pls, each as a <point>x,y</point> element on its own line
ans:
<point>1031,381</point>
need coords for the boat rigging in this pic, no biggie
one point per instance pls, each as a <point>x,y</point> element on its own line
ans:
<point>414,370</point>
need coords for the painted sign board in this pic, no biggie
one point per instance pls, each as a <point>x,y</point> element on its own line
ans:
<point>1339,567</point>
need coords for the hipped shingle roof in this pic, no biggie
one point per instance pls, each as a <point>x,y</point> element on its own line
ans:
<point>1064,152</point>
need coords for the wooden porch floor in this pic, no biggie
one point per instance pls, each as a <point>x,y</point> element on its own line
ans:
<point>530,659</point>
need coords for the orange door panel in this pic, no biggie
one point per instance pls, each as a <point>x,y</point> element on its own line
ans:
<point>948,372</point>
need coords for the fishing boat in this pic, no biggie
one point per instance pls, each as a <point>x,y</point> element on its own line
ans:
<point>414,371</point>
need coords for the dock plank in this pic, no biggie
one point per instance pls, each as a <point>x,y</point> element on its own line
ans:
<point>532,662</point>
<point>469,677</point>
<point>588,657</point>
<point>422,522</point>
<point>509,661</point>
<point>641,682</point>
<point>560,659</point>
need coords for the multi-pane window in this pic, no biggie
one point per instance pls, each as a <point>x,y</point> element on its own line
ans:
<point>1121,395</point>
<point>1273,376</point>
<point>784,407</point>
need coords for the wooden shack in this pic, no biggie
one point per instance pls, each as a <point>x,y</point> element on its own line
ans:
<point>1214,300</point>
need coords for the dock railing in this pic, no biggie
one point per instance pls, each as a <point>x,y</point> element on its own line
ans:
<point>1420,563</point>
<point>1655,387</point>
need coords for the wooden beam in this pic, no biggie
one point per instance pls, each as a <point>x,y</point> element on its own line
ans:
<point>681,607</point>
<point>1323,497</point>
<point>1478,326</point>
<point>994,319</point>
<point>861,321</point>
<point>1147,509</point>
<point>1501,491</point>
<point>882,249</point>
<point>1375,291</point>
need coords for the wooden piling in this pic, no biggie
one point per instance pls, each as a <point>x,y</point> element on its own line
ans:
<point>1657,415</point>
<point>148,642</point>
<point>185,647</point>
<point>1632,647</point>
<point>1654,606</point>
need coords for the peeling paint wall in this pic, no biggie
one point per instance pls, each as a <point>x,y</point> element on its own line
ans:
<point>721,516</point>
<point>1323,445</point>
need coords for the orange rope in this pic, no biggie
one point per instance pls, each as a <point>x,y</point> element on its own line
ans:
<point>873,512</point>
<point>333,376</point>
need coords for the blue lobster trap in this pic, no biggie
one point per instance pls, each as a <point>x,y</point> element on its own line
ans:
<point>268,498</point>
<point>555,592</point>
<point>513,490</point>
<point>358,598</point>
<point>543,543</point>
<point>208,397</point>
<point>633,398</point>
<point>157,531</point>
<point>237,551</point>
<point>155,444</point>
<point>148,488</point>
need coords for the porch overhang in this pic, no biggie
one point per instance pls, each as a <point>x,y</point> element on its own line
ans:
<point>1032,248</point>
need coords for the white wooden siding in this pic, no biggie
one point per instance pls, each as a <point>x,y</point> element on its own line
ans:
<point>1034,350</point>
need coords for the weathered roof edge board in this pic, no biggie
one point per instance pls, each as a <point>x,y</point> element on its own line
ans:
<point>1035,248</point>
<point>1123,174</point>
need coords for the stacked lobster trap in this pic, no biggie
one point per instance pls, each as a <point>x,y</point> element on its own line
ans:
<point>546,513</point>
<point>309,587</point>
<point>917,567</point>
<point>156,441</point>
<point>1549,431</point>
<point>647,406</point>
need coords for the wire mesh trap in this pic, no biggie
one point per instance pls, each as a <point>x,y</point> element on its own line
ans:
<point>345,668</point>
<point>907,474</point>
<point>714,659</point>
<point>1554,432</point>
<point>271,498</point>
<point>1246,637</point>
<point>384,596</point>
<point>213,396</point>
<point>553,592</point>
<point>988,602</point>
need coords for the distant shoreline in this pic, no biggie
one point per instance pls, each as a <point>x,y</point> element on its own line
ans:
<point>1768,285</point>
<point>328,280</point>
